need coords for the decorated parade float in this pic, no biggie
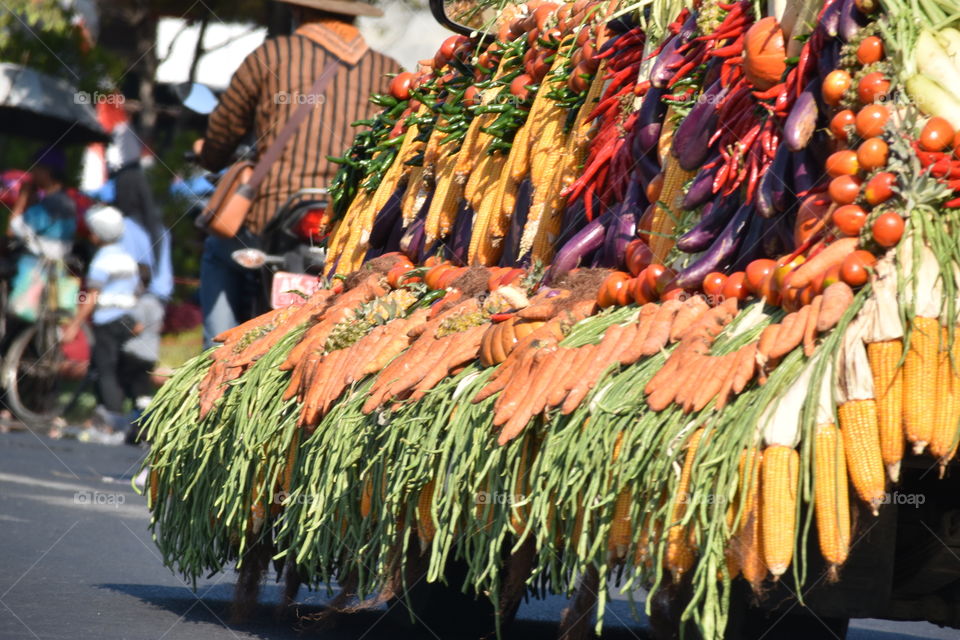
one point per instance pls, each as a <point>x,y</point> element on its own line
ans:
<point>663,295</point>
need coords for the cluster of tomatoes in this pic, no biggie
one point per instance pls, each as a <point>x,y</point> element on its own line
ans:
<point>859,179</point>
<point>938,149</point>
<point>439,275</point>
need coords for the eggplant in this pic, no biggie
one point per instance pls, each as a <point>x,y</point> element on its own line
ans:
<point>624,227</point>
<point>574,219</point>
<point>827,60</point>
<point>721,253</point>
<point>772,196</point>
<point>830,20</point>
<point>701,189</point>
<point>805,172</point>
<point>460,242</point>
<point>649,121</point>
<point>691,144</point>
<point>713,220</point>
<point>646,170</point>
<point>624,23</point>
<point>579,247</point>
<point>802,121</point>
<point>751,247</point>
<point>413,240</point>
<point>666,63</point>
<point>396,233</point>
<point>511,244</point>
<point>851,19</point>
<point>384,222</point>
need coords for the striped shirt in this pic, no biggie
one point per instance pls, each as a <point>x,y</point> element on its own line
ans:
<point>271,83</point>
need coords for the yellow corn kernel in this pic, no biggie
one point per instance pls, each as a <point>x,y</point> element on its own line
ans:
<point>831,499</point>
<point>888,385</point>
<point>778,507</point>
<point>943,442</point>
<point>861,444</point>
<point>426,528</point>
<point>680,552</point>
<point>919,373</point>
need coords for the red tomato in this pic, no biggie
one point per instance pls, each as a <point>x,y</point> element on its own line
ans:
<point>652,276</point>
<point>735,286</point>
<point>675,293</point>
<point>832,276</point>
<point>577,83</point>
<point>840,122</point>
<point>854,268</point>
<point>785,268</point>
<point>518,87</point>
<point>872,86</point>
<point>835,85</point>
<point>879,188</point>
<point>471,97</point>
<point>400,85</point>
<point>887,229</point>
<point>870,50</point>
<point>937,134</point>
<point>654,188</point>
<point>871,120</point>
<point>757,272</point>
<point>713,284</point>
<point>638,256</point>
<point>843,163</point>
<point>844,189</point>
<point>610,290</point>
<point>639,290</point>
<point>849,219</point>
<point>873,154</point>
<point>450,45</point>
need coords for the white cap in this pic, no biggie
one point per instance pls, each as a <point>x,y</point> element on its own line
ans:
<point>106,222</point>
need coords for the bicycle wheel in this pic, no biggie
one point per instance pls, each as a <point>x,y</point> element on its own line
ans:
<point>37,375</point>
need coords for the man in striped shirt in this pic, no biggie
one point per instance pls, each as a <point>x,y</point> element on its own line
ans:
<point>264,92</point>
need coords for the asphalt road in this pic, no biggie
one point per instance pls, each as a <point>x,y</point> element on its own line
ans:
<point>77,561</point>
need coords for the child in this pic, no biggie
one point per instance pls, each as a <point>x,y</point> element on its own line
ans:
<point>112,287</point>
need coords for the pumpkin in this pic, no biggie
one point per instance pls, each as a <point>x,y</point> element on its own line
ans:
<point>764,54</point>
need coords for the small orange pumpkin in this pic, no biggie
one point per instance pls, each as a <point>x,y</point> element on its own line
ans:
<point>764,53</point>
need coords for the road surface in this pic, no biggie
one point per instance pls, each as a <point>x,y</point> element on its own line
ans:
<point>77,561</point>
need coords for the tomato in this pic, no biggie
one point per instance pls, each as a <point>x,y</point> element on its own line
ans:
<point>871,120</point>
<point>879,188</point>
<point>843,163</point>
<point>844,189</point>
<point>446,278</point>
<point>854,268</point>
<point>653,274</point>
<point>471,97</point>
<point>654,188</point>
<point>396,273</point>
<point>638,256</point>
<point>577,82</point>
<point>887,229</point>
<point>849,219</point>
<point>867,6</point>
<point>640,291</point>
<point>735,286</point>
<point>432,277</point>
<point>610,290</point>
<point>873,154</point>
<point>870,50</point>
<point>835,85</point>
<point>713,284</point>
<point>450,45</point>
<point>812,210</point>
<point>542,13</point>
<point>785,268</point>
<point>432,261</point>
<point>645,224</point>
<point>769,289</point>
<point>400,85</point>
<point>840,122</point>
<point>872,86</point>
<point>518,87</point>
<point>757,272</point>
<point>937,134</point>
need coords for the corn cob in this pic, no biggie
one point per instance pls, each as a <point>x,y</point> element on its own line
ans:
<point>888,385</point>
<point>520,153</point>
<point>747,545</point>
<point>831,500</point>
<point>919,372</point>
<point>666,212</point>
<point>520,515</point>
<point>943,442</point>
<point>414,196</point>
<point>484,246</point>
<point>621,532</point>
<point>446,200</point>
<point>680,551</point>
<point>426,528</point>
<point>779,507</point>
<point>861,443</point>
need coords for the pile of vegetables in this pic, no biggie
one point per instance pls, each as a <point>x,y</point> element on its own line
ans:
<point>654,291</point>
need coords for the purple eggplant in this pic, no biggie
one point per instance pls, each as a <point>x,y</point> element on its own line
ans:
<point>460,242</point>
<point>624,227</point>
<point>384,222</point>
<point>805,172</point>
<point>851,20</point>
<point>511,244</point>
<point>830,18</point>
<point>574,219</point>
<point>649,121</point>
<point>721,253</point>
<point>623,23</point>
<point>713,221</point>
<point>667,61</point>
<point>701,189</point>
<point>772,196</point>
<point>802,121</point>
<point>691,144</point>
<point>646,170</point>
<point>413,240</point>
<point>751,247</point>
<point>396,233</point>
<point>579,247</point>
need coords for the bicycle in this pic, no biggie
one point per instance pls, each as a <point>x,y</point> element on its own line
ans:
<point>40,381</point>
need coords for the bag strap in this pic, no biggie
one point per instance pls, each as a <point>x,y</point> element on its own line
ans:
<point>272,154</point>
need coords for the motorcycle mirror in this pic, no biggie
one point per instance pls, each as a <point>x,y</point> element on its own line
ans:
<point>249,258</point>
<point>466,17</point>
<point>196,97</point>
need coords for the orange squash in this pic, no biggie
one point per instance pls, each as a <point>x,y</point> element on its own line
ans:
<point>764,53</point>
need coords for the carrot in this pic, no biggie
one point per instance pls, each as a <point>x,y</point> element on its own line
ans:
<point>723,396</point>
<point>768,338</point>
<point>294,386</point>
<point>498,380</point>
<point>836,299</point>
<point>237,332</point>
<point>543,366</point>
<point>810,330</point>
<point>604,357</point>
<point>746,365</point>
<point>691,311</point>
<point>819,264</point>
<point>634,350</point>
<point>460,347</point>
<point>661,397</point>
<point>568,362</point>
<point>791,333</point>
<point>514,392</point>
<point>710,323</point>
<point>715,381</point>
<point>661,327</point>
<point>418,370</point>
<point>669,368</point>
<point>688,392</point>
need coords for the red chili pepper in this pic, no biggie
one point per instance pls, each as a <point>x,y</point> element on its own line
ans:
<point>500,317</point>
<point>720,178</point>
<point>682,72</point>
<point>953,204</point>
<point>771,93</point>
<point>928,158</point>
<point>802,68</point>
<point>588,200</point>
<point>945,169</point>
